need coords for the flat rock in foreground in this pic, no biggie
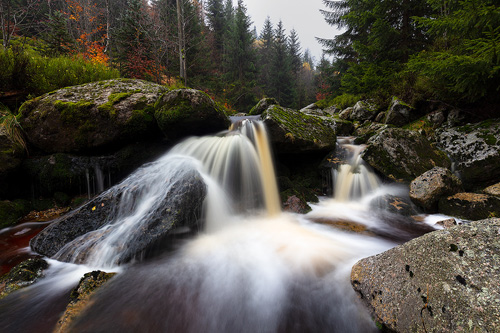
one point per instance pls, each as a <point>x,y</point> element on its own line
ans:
<point>444,281</point>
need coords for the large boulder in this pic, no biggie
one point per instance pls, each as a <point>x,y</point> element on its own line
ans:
<point>93,116</point>
<point>444,281</point>
<point>402,155</point>
<point>432,185</point>
<point>186,112</point>
<point>470,206</point>
<point>363,110</point>
<point>176,203</point>
<point>399,113</point>
<point>292,131</point>
<point>475,149</point>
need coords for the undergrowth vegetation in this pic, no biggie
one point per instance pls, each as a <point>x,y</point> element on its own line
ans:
<point>26,70</point>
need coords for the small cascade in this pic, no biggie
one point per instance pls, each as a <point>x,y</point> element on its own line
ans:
<point>241,162</point>
<point>353,179</point>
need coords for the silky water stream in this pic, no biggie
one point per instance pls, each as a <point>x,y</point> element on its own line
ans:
<point>251,268</point>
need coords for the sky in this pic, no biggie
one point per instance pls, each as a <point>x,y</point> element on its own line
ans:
<point>302,15</point>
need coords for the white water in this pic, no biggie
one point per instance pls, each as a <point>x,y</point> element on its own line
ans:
<point>253,269</point>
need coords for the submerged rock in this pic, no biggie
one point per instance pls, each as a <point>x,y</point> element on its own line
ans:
<point>470,206</point>
<point>97,115</point>
<point>22,275</point>
<point>475,149</point>
<point>291,131</point>
<point>444,281</point>
<point>402,155</point>
<point>186,112</point>
<point>429,187</point>
<point>80,298</point>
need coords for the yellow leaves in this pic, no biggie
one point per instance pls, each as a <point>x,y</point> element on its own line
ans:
<point>93,208</point>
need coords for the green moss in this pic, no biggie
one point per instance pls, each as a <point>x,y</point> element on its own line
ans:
<point>140,121</point>
<point>299,125</point>
<point>22,275</point>
<point>73,113</point>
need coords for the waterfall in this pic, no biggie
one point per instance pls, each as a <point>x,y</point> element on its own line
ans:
<point>251,268</point>
<point>353,179</point>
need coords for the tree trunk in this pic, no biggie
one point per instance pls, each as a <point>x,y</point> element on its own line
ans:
<point>182,42</point>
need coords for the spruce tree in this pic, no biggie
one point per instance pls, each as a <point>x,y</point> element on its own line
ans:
<point>240,60</point>
<point>265,53</point>
<point>281,68</point>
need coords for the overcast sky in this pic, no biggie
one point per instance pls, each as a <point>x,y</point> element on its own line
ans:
<point>302,15</point>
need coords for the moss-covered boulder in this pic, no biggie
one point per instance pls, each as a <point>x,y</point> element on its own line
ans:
<point>186,112</point>
<point>444,281</point>
<point>92,116</point>
<point>363,110</point>
<point>432,185</point>
<point>22,275</point>
<point>262,106</point>
<point>399,113</point>
<point>291,131</point>
<point>402,155</point>
<point>470,206</point>
<point>475,149</point>
<point>80,298</point>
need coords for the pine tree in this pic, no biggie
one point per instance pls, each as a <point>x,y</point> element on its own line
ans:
<point>265,52</point>
<point>240,60</point>
<point>294,50</point>
<point>281,68</point>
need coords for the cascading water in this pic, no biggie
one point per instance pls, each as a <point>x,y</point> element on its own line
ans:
<point>353,179</point>
<point>252,269</point>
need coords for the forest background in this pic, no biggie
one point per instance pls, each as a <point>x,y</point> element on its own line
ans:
<point>415,49</point>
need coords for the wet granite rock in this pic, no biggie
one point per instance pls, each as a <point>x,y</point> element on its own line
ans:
<point>444,281</point>
<point>470,206</point>
<point>72,237</point>
<point>22,275</point>
<point>402,155</point>
<point>432,185</point>
<point>80,298</point>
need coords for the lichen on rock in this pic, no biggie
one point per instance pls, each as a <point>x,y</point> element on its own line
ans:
<point>402,155</point>
<point>444,281</point>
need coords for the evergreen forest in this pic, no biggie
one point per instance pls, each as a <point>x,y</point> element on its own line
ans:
<point>447,50</point>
